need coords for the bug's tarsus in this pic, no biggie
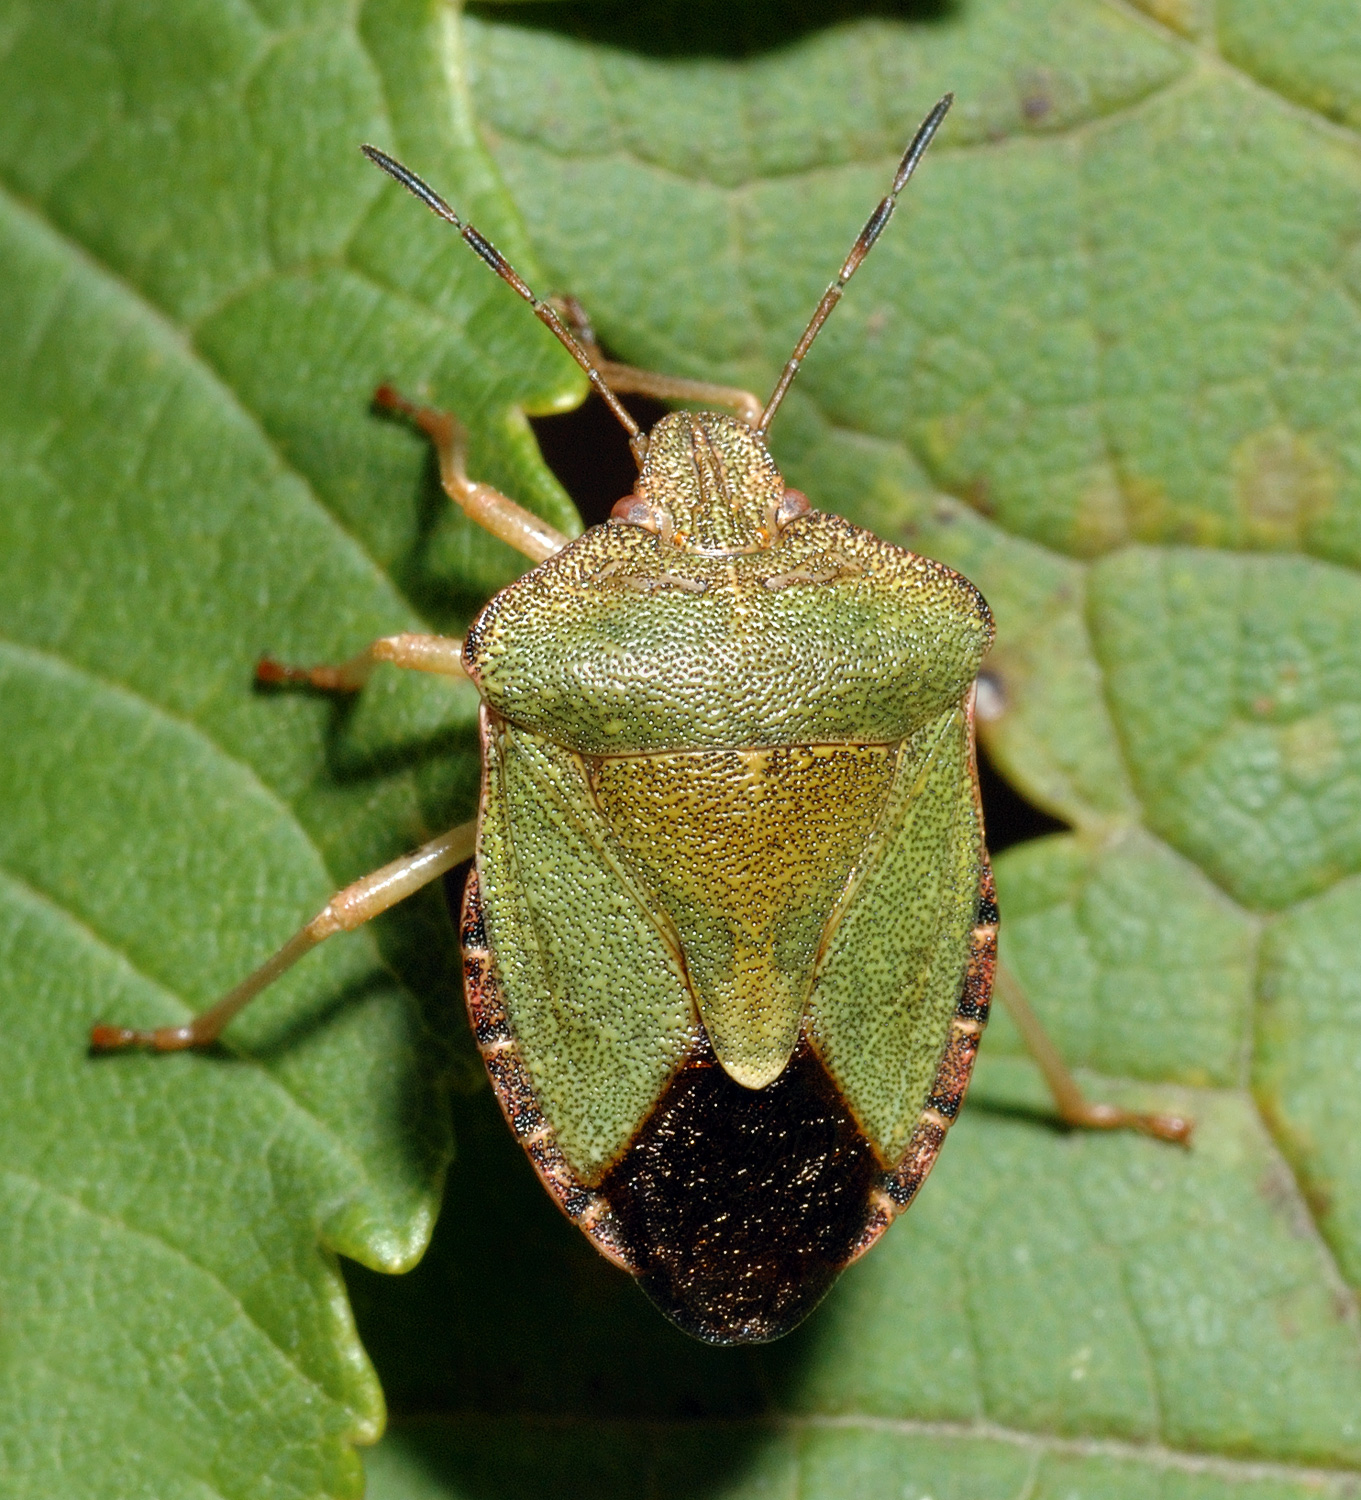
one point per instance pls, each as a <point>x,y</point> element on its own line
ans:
<point>874,227</point>
<point>1074,1108</point>
<point>347,677</point>
<point>543,308</point>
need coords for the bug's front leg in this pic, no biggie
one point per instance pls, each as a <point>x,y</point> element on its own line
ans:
<point>1074,1107</point>
<point>496,512</point>
<point>347,909</point>
<point>629,379</point>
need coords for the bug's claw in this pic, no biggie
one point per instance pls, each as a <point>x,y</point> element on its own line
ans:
<point>389,398</point>
<point>1092,1116</point>
<point>272,672</point>
<point>347,678</point>
<point>1174,1128</point>
<point>110,1038</point>
<point>105,1038</point>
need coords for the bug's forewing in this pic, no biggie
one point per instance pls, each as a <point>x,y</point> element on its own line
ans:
<point>889,981</point>
<point>594,992</point>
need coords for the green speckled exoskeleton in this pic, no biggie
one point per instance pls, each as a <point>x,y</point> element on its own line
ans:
<point>730,934</point>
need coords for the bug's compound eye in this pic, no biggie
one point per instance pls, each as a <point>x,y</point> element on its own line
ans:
<point>793,503</point>
<point>634,510</point>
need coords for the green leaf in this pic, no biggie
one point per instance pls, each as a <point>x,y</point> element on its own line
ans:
<point>203,283</point>
<point>1106,363</point>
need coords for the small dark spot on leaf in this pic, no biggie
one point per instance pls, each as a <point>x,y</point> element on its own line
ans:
<point>1319,1199</point>
<point>977,494</point>
<point>1277,1188</point>
<point>1036,106</point>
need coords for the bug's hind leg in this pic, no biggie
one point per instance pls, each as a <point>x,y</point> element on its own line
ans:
<point>1074,1107</point>
<point>347,909</point>
<point>496,512</point>
<point>631,380</point>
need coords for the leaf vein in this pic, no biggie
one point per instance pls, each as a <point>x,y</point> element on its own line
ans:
<point>52,663</point>
<point>146,1236</point>
<point>181,339</point>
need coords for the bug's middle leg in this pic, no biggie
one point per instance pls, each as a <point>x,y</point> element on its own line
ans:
<point>441,654</point>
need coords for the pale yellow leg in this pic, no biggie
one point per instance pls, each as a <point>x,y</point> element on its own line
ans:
<point>441,654</point>
<point>346,910</point>
<point>1073,1105</point>
<point>630,379</point>
<point>496,512</point>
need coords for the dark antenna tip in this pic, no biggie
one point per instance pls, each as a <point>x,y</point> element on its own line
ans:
<point>874,227</point>
<point>417,186</point>
<point>484,248</point>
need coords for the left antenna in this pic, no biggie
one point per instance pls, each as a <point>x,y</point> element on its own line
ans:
<point>544,311</point>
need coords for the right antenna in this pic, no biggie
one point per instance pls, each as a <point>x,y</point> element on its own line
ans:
<point>874,227</point>
<point>543,310</point>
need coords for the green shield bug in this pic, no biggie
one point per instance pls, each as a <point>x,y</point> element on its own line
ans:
<point>730,935</point>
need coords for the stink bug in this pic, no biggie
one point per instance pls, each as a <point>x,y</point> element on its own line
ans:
<point>730,935</point>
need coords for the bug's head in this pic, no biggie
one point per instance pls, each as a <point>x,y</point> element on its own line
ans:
<point>709,485</point>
